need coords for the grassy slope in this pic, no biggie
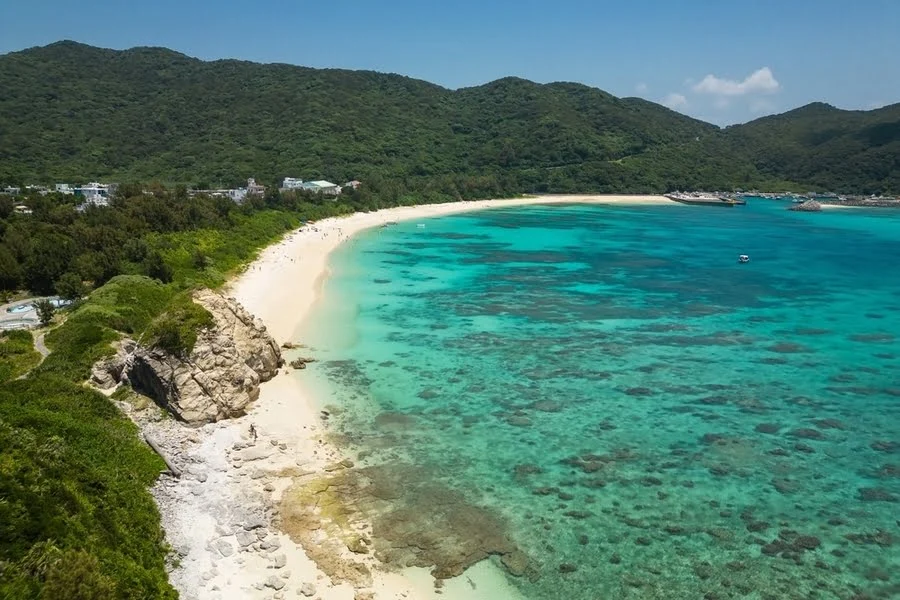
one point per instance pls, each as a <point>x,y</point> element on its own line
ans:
<point>17,354</point>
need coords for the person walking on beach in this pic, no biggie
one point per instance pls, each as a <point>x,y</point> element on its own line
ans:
<point>253,432</point>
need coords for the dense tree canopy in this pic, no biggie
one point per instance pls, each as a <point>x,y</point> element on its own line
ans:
<point>71,112</point>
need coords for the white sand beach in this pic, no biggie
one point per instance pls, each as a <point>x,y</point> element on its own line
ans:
<point>220,516</point>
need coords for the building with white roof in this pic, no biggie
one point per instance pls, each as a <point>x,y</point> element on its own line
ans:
<point>292,183</point>
<point>322,187</point>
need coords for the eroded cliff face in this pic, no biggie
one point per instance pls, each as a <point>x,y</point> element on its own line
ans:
<point>217,380</point>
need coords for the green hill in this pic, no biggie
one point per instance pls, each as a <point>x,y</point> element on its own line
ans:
<point>73,112</point>
<point>827,148</point>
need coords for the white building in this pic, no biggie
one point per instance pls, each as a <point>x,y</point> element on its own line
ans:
<point>65,188</point>
<point>322,187</point>
<point>94,191</point>
<point>291,183</point>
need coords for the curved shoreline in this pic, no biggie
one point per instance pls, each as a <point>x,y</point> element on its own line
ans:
<point>301,257</point>
<point>234,480</point>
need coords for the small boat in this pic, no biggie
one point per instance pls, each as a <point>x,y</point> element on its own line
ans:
<point>743,258</point>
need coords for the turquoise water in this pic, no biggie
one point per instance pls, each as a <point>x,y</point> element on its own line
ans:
<point>650,418</point>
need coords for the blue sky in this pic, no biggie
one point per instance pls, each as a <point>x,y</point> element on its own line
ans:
<point>722,61</point>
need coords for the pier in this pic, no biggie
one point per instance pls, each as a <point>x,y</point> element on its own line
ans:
<point>706,200</point>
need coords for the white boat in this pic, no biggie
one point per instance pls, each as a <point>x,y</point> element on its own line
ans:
<point>743,258</point>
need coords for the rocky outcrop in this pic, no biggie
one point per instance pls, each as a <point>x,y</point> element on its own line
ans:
<point>217,380</point>
<point>106,374</point>
<point>808,206</point>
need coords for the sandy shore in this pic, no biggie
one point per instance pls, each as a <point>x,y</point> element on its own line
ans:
<point>220,517</point>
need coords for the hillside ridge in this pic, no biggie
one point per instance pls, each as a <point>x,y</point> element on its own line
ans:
<point>77,112</point>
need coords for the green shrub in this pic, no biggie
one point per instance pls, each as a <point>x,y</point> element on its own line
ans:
<point>73,480</point>
<point>77,575</point>
<point>175,331</point>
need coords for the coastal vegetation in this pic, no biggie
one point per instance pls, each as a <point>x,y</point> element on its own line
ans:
<point>17,354</point>
<point>76,517</point>
<point>162,115</point>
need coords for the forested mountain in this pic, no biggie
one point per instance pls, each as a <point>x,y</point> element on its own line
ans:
<point>73,112</point>
<point>828,148</point>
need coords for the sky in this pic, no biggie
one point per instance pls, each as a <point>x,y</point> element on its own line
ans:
<point>724,61</point>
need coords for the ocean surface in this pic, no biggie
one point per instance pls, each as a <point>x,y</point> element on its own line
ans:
<point>607,398</point>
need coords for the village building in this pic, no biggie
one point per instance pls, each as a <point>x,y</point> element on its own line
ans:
<point>255,189</point>
<point>291,183</point>
<point>322,187</point>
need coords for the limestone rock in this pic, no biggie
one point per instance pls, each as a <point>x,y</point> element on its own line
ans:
<point>275,582</point>
<point>308,589</point>
<point>254,522</point>
<point>224,547</point>
<point>220,377</point>
<point>106,374</point>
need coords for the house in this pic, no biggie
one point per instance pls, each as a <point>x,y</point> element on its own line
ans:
<point>11,190</point>
<point>322,187</point>
<point>255,189</point>
<point>352,184</point>
<point>65,188</point>
<point>22,209</point>
<point>238,195</point>
<point>94,191</point>
<point>291,183</point>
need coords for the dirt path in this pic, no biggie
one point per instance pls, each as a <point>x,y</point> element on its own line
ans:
<point>40,346</point>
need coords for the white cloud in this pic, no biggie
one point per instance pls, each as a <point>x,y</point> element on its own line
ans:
<point>721,103</point>
<point>675,101</point>
<point>760,81</point>
<point>641,88</point>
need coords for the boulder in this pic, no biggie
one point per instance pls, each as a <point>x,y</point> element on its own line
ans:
<point>106,374</point>
<point>807,206</point>
<point>221,375</point>
<point>274,583</point>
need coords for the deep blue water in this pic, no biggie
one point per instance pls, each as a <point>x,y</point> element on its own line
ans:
<point>633,402</point>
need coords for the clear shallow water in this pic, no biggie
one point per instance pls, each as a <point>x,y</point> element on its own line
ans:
<point>635,404</point>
